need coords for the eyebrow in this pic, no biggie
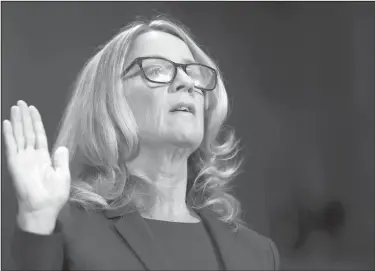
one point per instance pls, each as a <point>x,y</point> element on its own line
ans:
<point>184,60</point>
<point>189,61</point>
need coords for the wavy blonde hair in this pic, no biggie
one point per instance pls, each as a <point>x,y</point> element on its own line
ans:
<point>100,132</point>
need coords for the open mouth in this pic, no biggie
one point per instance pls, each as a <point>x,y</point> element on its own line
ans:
<point>185,108</point>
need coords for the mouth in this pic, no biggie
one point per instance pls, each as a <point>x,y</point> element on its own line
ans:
<point>183,108</point>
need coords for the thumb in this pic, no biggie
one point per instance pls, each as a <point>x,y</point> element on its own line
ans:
<point>61,159</point>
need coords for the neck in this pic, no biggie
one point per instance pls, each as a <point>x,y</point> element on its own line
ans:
<point>166,167</point>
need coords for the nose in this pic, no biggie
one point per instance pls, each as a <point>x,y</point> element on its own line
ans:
<point>183,81</point>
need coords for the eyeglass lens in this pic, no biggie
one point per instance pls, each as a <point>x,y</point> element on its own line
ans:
<point>162,71</point>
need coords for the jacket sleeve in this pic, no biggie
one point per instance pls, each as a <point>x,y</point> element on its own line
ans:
<point>276,255</point>
<point>31,251</point>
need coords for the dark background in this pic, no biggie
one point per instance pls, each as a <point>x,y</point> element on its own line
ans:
<point>300,77</point>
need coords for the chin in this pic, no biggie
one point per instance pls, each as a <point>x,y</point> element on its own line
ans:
<point>191,142</point>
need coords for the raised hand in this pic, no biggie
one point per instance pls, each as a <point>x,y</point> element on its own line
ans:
<point>42,184</point>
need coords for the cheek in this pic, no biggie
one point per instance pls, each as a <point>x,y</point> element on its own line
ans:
<point>200,113</point>
<point>146,107</point>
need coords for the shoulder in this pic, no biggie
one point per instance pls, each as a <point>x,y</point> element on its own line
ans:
<point>79,226</point>
<point>249,235</point>
<point>72,211</point>
<point>75,219</point>
<point>251,240</point>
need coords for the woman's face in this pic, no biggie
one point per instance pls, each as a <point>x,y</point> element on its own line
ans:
<point>151,103</point>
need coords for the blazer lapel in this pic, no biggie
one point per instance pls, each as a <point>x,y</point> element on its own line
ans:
<point>135,231</point>
<point>137,234</point>
<point>223,238</point>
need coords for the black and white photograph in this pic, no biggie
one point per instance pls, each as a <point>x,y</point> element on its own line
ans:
<point>187,135</point>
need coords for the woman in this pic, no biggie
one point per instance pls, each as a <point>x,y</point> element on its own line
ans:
<point>144,183</point>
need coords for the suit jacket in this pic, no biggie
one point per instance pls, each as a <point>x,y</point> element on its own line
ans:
<point>122,240</point>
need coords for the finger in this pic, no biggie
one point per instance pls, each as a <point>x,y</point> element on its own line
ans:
<point>40,134</point>
<point>16,120</point>
<point>10,142</point>
<point>28,130</point>
<point>61,159</point>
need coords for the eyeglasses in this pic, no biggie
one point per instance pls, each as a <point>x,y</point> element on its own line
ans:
<point>163,71</point>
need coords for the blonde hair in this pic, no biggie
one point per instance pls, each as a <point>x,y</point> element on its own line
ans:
<point>101,134</point>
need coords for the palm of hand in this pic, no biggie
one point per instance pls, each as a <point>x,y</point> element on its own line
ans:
<point>37,182</point>
<point>42,184</point>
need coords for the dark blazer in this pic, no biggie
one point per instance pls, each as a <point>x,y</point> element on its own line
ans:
<point>119,240</point>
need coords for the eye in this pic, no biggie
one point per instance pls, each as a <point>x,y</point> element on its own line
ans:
<point>195,72</point>
<point>154,70</point>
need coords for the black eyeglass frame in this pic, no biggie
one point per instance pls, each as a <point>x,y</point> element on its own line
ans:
<point>139,61</point>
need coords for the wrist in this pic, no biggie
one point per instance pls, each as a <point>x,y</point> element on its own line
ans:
<point>36,223</point>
